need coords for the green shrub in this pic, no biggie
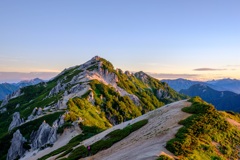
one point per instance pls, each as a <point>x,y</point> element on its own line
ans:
<point>107,141</point>
<point>78,153</point>
<point>164,157</point>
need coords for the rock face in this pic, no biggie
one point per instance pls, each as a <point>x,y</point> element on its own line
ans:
<point>16,150</point>
<point>3,110</point>
<point>59,122</point>
<point>162,94</point>
<point>91,98</point>
<point>45,135</point>
<point>16,121</point>
<point>59,87</point>
<point>4,102</point>
<point>10,96</point>
<point>40,111</point>
<point>142,76</point>
<point>35,113</point>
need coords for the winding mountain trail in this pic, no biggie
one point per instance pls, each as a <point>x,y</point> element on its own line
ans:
<point>148,142</point>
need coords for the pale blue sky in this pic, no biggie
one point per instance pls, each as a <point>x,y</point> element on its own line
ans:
<point>170,37</point>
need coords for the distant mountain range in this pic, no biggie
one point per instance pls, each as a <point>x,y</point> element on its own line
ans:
<point>9,88</point>
<point>223,100</point>
<point>232,85</point>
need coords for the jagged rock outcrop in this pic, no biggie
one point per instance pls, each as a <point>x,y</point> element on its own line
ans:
<point>77,88</point>
<point>135,99</point>
<point>16,149</point>
<point>16,121</point>
<point>16,94</point>
<point>4,102</point>
<point>128,73</point>
<point>2,110</point>
<point>43,136</point>
<point>161,94</point>
<point>59,87</point>
<point>59,122</point>
<point>40,111</point>
<point>35,113</point>
<point>10,96</point>
<point>91,98</point>
<point>142,76</point>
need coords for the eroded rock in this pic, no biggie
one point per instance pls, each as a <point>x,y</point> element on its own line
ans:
<point>16,121</point>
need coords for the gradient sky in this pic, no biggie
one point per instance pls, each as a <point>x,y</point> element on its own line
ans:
<point>172,38</point>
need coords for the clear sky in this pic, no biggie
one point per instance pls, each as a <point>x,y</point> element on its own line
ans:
<point>197,39</point>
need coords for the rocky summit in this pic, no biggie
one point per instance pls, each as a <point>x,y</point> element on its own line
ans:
<point>97,105</point>
<point>91,95</point>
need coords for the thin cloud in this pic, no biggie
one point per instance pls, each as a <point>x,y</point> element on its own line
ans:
<point>173,76</point>
<point>233,65</point>
<point>210,69</point>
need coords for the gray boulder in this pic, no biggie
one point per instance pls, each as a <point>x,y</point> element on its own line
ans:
<point>16,149</point>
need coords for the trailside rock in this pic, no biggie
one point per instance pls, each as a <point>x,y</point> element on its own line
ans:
<point>16,149</point>
<point>16,121</point>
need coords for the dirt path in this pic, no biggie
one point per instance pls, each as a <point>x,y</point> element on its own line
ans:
<point>149,141</point>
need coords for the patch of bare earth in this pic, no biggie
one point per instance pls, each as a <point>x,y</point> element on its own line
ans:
<point>148,142</point>
<point>234,123</point>
<point>217,145</point>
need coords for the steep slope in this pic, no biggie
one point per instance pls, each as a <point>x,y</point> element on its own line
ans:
<point>223,100</point>
<point>93,95</point>
<point>148,142</point>
<point>201,132</point>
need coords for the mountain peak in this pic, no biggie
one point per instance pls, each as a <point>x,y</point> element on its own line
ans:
<point>96,58</point>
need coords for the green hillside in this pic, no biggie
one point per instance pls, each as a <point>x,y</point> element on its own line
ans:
<point>206,134</point>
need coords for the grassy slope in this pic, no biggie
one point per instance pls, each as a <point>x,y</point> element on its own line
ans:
<point>106,142</point>
<point>205,135</point>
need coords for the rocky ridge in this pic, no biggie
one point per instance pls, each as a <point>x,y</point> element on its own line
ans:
<point>79,82</point>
